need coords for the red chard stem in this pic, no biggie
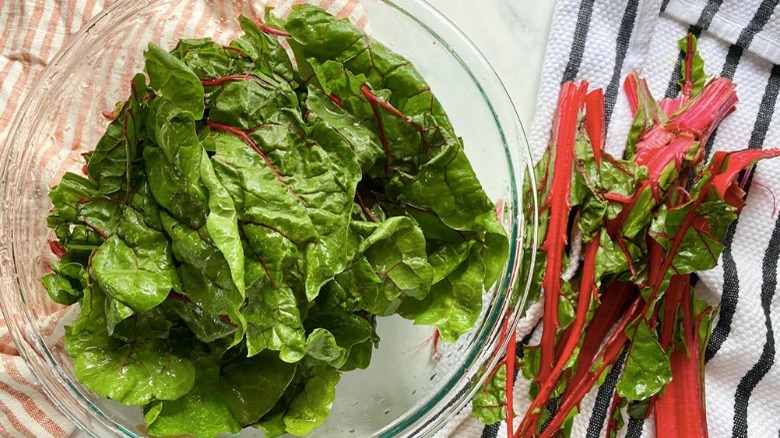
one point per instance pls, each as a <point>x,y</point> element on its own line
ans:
<point>562,143</point>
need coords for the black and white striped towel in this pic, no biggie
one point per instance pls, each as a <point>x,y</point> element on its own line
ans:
<point>602,41</point>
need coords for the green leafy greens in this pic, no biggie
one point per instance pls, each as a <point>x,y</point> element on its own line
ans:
<point>241,225</point>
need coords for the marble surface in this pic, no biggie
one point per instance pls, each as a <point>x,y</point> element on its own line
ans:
<point>512,34</point>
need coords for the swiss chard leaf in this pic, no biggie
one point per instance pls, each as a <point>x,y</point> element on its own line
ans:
<point>222,223</point>
<point>134,373</point>
<point>610,259</point>
<point>65,198</point>
<point>274,322</point>
<point>135,266</point>
<point>155,323</point>
<point>323,37</point>
<point>202,412</point>
<point>646,114</point>
<point>360,354</point>
<point>321,345</point>
<point>647,368</point>
<point>329,122</point>
<point>446,258</point>
<point>204,325</point>
<point>700,247</point>
<point>82,218</point>
<point>337,331</point>
<point>311,407</point>
<point>453,305</point>
<point>66,284</point>
<point>254,385</point>
<point>392,256</point>
<point>204,57</point>
<point>489,404</point>
<point>111,162</point>
<point>206,277</point>
<point>173,167</point>
<point>170,78</point>
<point>260,199</point>
<point>219,302</point>
<point>268,55</point>
<point>250,102</point>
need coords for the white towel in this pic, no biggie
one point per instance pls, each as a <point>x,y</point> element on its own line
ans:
<point>603,40</point>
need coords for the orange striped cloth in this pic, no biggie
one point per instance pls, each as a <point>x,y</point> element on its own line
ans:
<point>31,33</point>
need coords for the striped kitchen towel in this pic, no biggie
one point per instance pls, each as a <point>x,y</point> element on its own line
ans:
<point>31,33</point>
<point>602,41</point>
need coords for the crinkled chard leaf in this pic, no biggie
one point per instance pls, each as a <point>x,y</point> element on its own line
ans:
<point>274,322</point>
<point>205,275</point>
<point>135,265</point>
<point>268,55</point>
<point>67,283</point>
<point>331,123</point>
<point>222,223</point>
<point>311,407</point>
<point>224,398</point>
<point>337,336</point>
<point>447,257</point>
<point>647,368</point>
<point>111,162</point>
<point>203,412</point>
<point>391,266</point>
<point>65,198</point>
<point>450,304</point>
<point>700,246</point>
<point>255,385</point>
<point>134,373</point>
<point>204,57</point>
<point>489,404</point>
<point>155,323</point>
<point>173,167</point>
<point>321,345</point>
<point>171,79</point>
<point>206,326</point>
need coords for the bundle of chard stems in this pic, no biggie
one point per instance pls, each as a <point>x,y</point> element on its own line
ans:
<point>620,240</point>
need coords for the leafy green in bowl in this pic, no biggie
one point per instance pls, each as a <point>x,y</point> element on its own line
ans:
<point>246,217</point>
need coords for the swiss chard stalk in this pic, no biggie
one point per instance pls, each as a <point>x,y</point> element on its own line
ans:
<point>647,223</point>
<point>558,201</point>
<point>604,359</point>
<point>681,410</point>
<point>594,137</point>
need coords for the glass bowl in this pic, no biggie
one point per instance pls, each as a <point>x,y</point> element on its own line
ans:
<point>408,390</point>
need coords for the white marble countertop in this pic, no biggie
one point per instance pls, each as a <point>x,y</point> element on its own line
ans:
<point>512,34</point>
